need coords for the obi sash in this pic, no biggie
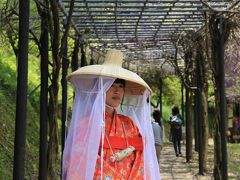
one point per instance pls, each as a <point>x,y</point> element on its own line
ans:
<point>121,142</point>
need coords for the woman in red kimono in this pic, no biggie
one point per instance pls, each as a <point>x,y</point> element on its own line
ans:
<point>103,142</point>
<point>120,133</point>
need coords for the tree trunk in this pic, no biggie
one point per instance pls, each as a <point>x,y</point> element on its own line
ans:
<point>91,60</point>
<point>21,100</point>
<point>83,56</point>
<point>205,127</point>
<point>189,125</point>
<point>44,91</point>
<point>75,59</point>
<point>203,88</point>
<point>220,152</point>
<point>53,101</point>
<point>204,103</point>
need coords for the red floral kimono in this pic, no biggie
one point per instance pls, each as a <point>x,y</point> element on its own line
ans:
<point>120,132</point>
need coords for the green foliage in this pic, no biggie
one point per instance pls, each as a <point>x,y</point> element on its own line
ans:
<point>171,91</point>
<point>171,86</point>
<point>8,86</point>
<point>8,66</point>
<point>7,111</point>
<point>165,116</point>
<point>34,80</point>
<point>7,69</point>
<point>7,132</point>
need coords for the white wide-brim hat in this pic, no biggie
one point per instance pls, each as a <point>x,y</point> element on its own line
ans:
<point>112,67</point>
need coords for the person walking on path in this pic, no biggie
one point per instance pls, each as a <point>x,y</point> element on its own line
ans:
<point>157,132</point>
<point>175,121</point>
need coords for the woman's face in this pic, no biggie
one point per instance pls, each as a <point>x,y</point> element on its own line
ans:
<point>114,95</point>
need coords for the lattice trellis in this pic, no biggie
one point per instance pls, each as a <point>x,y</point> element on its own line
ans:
<point>144,29</point>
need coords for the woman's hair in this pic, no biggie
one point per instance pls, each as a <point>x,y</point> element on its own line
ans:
<point>123,82</point>
<point>120,81</point>
<point>175,110</point>
<point>157,116</point>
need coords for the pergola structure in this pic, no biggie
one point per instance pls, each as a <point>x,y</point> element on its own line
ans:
<point>145,30</point>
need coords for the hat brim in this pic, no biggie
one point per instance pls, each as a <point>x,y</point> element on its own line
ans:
<point>135,85</point>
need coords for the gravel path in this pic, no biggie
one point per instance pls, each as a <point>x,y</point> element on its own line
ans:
<point>176,168</point>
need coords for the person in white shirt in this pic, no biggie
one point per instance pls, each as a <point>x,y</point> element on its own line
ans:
<point>157,132</point>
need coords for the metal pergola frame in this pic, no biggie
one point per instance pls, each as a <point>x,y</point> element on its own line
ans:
<point>134,26</point>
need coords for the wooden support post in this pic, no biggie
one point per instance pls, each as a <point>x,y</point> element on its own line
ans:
<point>199,115</point>
<point>223,111</point>
<point>21,101</point>
<point>44,94</point>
